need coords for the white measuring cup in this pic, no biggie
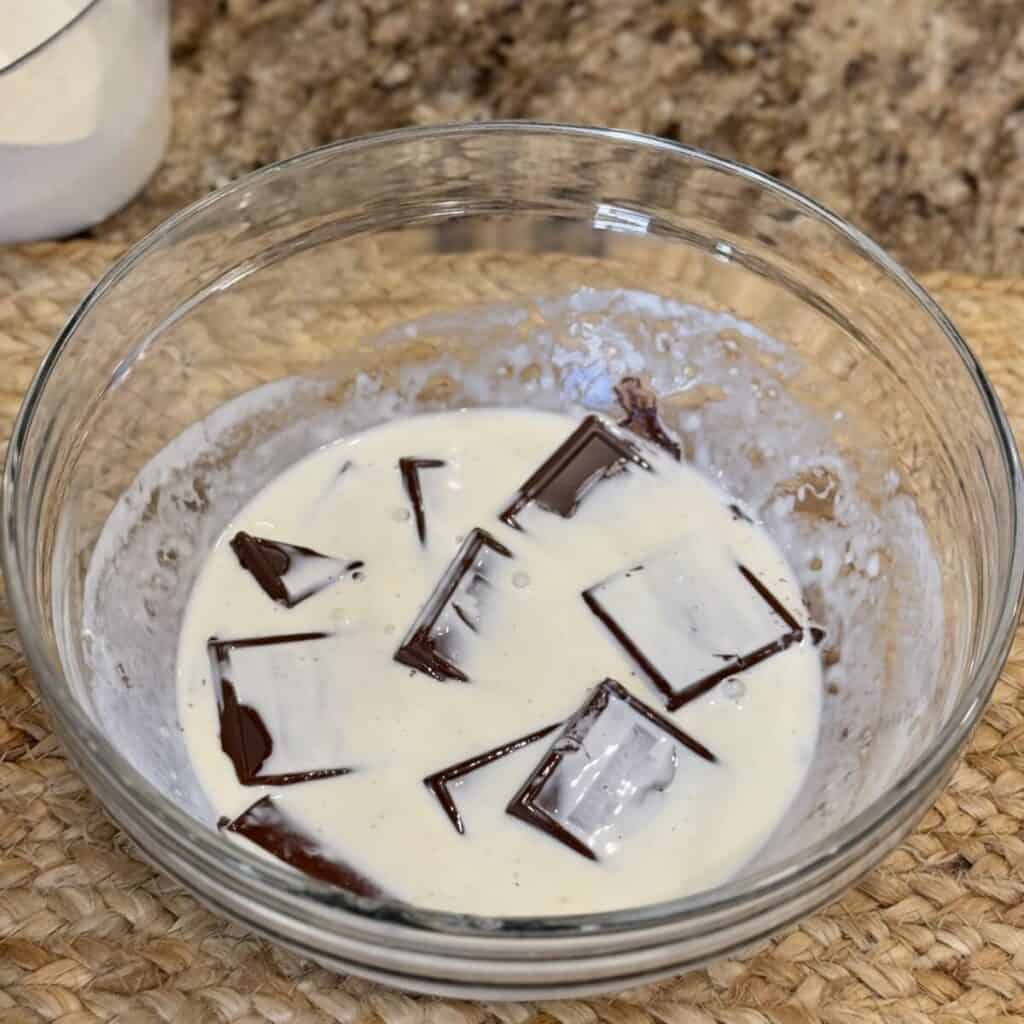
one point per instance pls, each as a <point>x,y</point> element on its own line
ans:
<point>84,113</point>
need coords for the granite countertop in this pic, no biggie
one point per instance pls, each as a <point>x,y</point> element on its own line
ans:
<point>906,117</point>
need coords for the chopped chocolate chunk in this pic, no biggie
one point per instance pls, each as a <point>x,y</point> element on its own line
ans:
<point>267,825</point>
<point>640,404</point>
<point>288,573</point>
<point>590,454</point>
<point>282,685</point>
<point>410,469</point>
<point>609,762</point>
<point>438,782</point>
<point>454,607</point>
<point>243,736</point>
<point>695,604</point>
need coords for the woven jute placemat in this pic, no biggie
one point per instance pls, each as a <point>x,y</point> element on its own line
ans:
<point>88,932</point>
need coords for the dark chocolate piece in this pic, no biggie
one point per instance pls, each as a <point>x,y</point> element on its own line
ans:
<point>433,639</point>
<point>268,826</point>
<point>769,598</point>
<point>288,573</point>
<point>410,469</point>
<point>438,782</point>
<point>640,404</point>
<point>681,647</point>
<point>591,453</point>
<point>576,793</point>
<point>244,736</point>
<point>739,664</point>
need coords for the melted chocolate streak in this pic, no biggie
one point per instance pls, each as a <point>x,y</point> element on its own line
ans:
<point>410,468</point>
<point>269,561</point>
<point>438,782</point>
<point>244,736</point>
<point>266,826</point>
<point>640,405</point>
<point>736,663</point>
<point>464,616</point>
<point>590,452</point>
<point>573,736</point>
<point>738,513</point>
<point>419,649</point>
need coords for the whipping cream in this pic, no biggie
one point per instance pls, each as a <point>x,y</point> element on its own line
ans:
<point>508,605</point>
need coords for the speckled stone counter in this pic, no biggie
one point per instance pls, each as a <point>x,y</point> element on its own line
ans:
<point>907,116</point>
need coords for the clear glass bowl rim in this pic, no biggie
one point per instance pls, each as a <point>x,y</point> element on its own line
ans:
<point>201,848</point>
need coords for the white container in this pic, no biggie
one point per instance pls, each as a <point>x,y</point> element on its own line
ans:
<point>84,113</point>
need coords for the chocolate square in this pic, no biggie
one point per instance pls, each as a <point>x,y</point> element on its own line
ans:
<point>271,699</point>
<point>269,826</point>
<point>696,618</point>
<point>590,454</point>
<point>453,612</point>
<point>438,783</point>
<point>610,758</point>
<point>288,573</point>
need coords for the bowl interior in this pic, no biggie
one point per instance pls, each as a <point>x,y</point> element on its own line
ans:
<point>512,268</point>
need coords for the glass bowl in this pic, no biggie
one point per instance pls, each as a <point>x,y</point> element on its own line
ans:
<point>510,264</point>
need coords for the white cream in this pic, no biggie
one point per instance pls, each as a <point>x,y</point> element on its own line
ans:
<point>538,653</point>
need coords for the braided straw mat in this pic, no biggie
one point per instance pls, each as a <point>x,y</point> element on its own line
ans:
<point>89,933</point>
